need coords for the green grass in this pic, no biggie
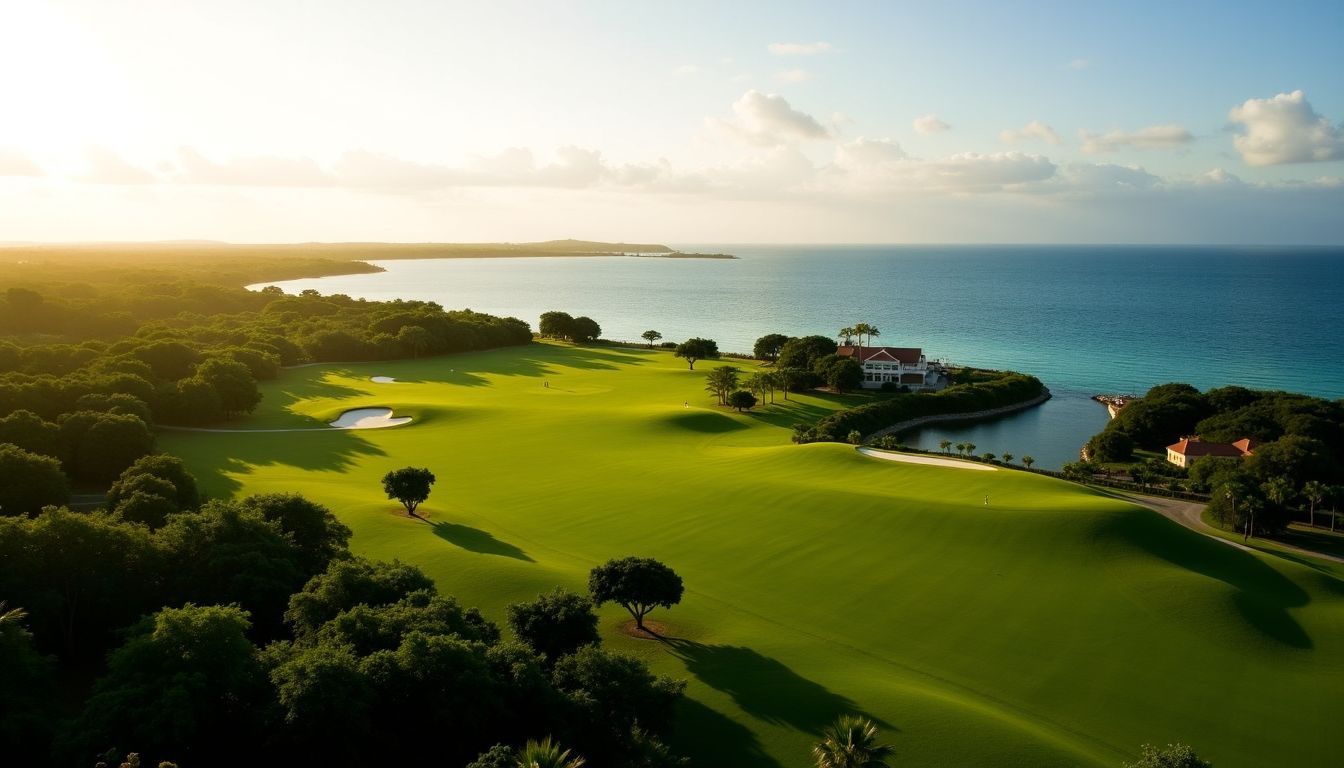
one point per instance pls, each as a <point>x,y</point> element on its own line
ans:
<point>1055,627</point>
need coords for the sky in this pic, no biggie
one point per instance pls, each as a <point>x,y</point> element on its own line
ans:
<point>685,122</point>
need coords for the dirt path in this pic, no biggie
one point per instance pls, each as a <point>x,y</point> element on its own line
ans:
<point>1187,513</point>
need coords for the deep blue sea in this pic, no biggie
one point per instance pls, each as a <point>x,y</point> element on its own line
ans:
<point>1085,319</point>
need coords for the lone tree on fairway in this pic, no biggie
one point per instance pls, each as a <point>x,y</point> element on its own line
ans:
<point>639,584</point>
<point>1171,756</point>
<point>697,349</point>
<point>410,486</point>
<point>651,337</point>
<point>851,742</point>
<point>1027,461</point>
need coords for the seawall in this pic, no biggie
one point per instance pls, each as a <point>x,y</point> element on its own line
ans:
<point>924,421</point>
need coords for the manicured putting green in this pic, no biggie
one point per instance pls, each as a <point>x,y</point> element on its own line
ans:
<point>1053,627</point>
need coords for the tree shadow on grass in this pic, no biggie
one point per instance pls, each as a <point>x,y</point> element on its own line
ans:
<point>242,453</point>
<point>1263,594</point>
<point>763,687</point>
<point>709,737</point>
<point>476,540</point>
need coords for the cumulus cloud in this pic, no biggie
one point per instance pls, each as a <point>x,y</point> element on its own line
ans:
<point>1035,130</point>
<point>768,120</point>
<point>881,165</point>
<point>930,124</point>
<point>107,167</point>
<point>263,171</point>
<point>15,163</point>
<point>1152,137</point>
<point>799,49</point>
<point>1285,129</point>
<point>1102,177</point>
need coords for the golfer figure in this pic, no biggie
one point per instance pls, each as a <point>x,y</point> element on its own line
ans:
<point>986,501</point>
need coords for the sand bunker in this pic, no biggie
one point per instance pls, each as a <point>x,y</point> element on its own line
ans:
<point>369,418</point>
<point>933,460</point>
<point>383,380</point>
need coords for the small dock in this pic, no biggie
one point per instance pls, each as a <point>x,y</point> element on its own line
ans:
<point>1114,403</point>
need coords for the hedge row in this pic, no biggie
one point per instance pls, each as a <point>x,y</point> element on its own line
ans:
<point>1005,388</point>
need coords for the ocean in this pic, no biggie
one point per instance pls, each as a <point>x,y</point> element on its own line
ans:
<point>1084,319</point>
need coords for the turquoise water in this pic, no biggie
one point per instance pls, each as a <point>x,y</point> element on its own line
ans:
<point>1085,319</point>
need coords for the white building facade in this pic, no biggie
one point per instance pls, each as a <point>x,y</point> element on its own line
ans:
<point>897,366</point>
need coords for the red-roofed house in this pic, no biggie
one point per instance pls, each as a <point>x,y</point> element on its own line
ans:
<point>897,365</point>
<point>1184,452</point>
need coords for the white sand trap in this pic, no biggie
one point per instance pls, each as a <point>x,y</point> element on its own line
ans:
<point>383,380</point>
<point>933,460</point>
<point>369,418</point>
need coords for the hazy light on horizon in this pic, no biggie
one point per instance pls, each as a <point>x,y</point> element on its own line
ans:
<point>756,122</point>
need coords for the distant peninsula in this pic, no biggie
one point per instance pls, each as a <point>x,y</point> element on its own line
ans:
<point>246,263</point>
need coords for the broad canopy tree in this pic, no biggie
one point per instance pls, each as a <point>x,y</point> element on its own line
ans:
<point>697,349</point>
<point>651,337</point>
<point>408,485</point>
<point>638,584</point>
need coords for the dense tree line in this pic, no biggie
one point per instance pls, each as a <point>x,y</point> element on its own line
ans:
<point>180,354</point>
<point>249,622</point>
<point>1297,462</point>
<point>971,391</point>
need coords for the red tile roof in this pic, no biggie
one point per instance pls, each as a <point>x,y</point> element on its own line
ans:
<point>907,355</point>
<point>1193,447</point>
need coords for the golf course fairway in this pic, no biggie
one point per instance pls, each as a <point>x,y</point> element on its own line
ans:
<point>1052,627</point>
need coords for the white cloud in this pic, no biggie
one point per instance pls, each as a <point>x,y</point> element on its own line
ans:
<point>1285,129</point>
<point>687,69</point>
<point>107,167</point>
<point>1096,178</point>
<point>880,165</point>
<point>930,124</point>
<point>768,120</point>
<point>1035,130</point>
<point>1079,64</point>
<point>195,168</point>
<point>1218,176</point>
<point>796,75</point>
<point>1152,137</point>
<point>15,163</point>
<point>799,49</point>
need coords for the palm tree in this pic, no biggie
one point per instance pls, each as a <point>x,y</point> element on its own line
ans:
<point>1315,492</point>
<point>11,618</point>
<point>961,448</point>
<point>970,449</point>
<point>945,444</point>
<point>861,330</point>
<point>1280,490</point>
<point>872,331</point>
<point>1027,461</point>
<point>851,742</point>
<point>546,754</point>
<point>1007,458</point>
<point>847,335</point>
<point>988,457</point>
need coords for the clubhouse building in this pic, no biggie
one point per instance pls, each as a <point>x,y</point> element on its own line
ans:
<point>1188,449</point>
<point>903,366</point>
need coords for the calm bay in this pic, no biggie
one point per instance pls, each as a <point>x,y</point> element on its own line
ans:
<point>1085,319</point>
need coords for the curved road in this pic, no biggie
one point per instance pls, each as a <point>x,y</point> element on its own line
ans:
<point>1187,513</point>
